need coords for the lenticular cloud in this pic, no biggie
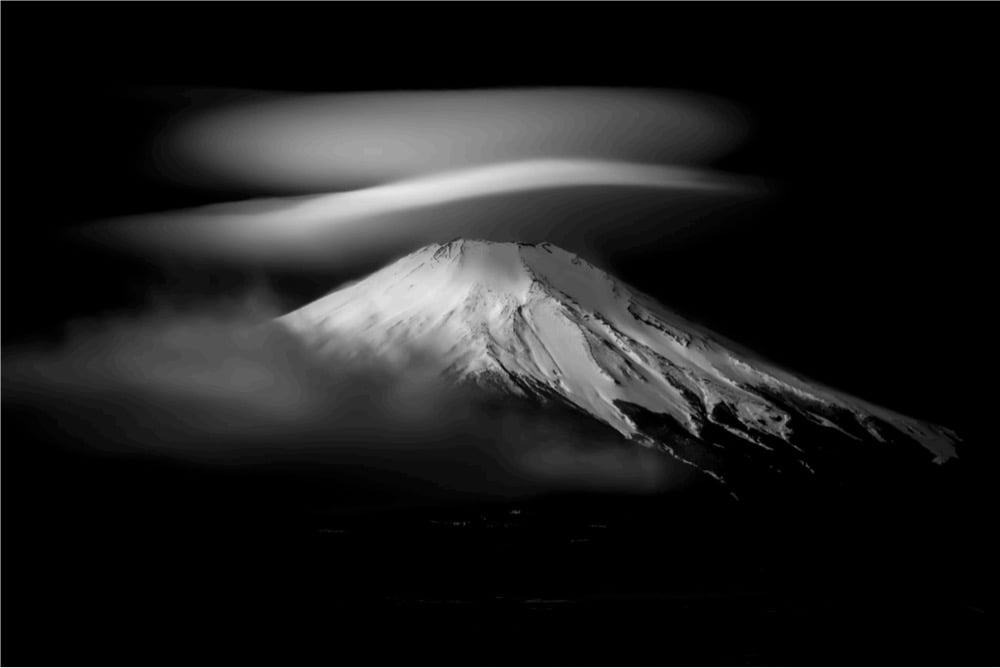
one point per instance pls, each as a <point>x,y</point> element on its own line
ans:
<point>328,142</point>
<point>389,171</point>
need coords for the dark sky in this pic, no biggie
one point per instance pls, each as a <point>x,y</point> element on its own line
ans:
<point>872,124</point>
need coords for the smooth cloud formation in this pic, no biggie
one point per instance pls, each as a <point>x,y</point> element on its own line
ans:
<point>326,142</point>
<point>331,228</point>
<point>408,168</point>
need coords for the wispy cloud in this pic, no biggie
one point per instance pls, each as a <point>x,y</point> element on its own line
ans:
<point>225,386</point>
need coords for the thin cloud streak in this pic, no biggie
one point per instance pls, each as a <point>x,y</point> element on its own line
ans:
<point>327,226</point>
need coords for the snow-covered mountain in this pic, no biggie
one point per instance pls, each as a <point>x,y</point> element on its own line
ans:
<point>536,321</point>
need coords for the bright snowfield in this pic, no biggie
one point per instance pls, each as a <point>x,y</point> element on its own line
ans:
<point>536,320</point>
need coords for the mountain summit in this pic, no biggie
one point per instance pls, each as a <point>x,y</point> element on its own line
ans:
<point>536,321</point>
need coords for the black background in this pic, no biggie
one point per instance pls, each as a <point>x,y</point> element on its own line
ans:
<point>874,120</point>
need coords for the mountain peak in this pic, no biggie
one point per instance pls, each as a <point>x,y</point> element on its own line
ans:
<point>484,250</point>
<point>500,270</point>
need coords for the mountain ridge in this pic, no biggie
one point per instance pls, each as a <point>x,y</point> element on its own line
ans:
<point>536,321</point>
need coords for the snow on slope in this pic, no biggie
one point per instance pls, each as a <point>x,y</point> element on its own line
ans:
<point>530,318</point>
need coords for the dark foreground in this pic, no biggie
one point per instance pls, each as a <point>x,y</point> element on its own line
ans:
<point>118,562</point>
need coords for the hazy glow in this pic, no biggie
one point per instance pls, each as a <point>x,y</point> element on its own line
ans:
<point>323,142</point>
<point>227,386</point>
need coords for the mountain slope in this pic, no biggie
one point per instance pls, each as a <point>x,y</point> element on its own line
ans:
<point>537,321</point>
